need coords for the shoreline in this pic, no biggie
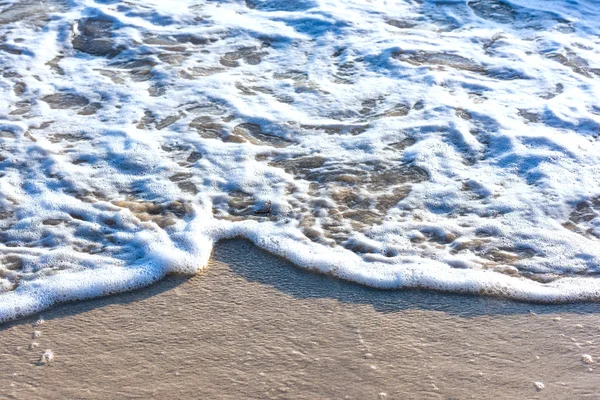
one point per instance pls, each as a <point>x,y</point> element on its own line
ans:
<point>504,287</point>
<point>253,325</point>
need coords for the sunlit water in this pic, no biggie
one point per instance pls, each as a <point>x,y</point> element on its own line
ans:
<point>450,145</point>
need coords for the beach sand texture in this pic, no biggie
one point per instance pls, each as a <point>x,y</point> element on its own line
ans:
<point>253,326</point>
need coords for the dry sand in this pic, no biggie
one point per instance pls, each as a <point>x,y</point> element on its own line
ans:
<point>253,326</point>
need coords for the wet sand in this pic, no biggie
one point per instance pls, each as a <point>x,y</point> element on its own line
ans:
<point>254,326</point>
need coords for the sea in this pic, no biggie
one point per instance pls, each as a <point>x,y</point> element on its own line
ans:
<point>449,145</point>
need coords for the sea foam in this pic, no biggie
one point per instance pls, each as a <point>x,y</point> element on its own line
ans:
<point>445,145</point>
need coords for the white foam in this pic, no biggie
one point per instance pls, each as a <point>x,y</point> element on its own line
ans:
<point>130,161</point>
<point>586,358</point>
<point>47,357</point>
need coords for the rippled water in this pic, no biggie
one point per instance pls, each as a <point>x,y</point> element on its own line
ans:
<point>450,145</point>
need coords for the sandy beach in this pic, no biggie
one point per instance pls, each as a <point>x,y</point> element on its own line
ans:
<point>254,326</point>
<point>423,144</point>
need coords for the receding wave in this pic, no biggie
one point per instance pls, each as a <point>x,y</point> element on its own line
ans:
<point>446,145</point>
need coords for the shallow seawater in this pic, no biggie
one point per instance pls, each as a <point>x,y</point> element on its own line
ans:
<point>448,145</point>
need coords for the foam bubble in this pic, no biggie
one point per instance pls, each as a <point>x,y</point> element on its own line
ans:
<point>46,358</point>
